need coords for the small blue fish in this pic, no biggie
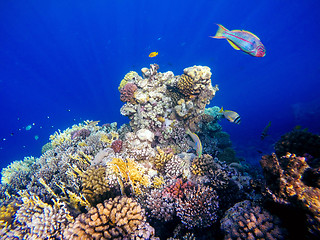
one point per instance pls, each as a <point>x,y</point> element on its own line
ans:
<point>242,40</point>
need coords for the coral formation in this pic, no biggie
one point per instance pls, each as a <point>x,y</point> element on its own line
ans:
<point>299,142</point>
<point>287,184</point>
<point>246,220</point>
<point>127,93</point>
<point>118,218</point>
<point>97,182</point>
<point>94,184</point>
<point>198,207</point>
<point>116,146</point>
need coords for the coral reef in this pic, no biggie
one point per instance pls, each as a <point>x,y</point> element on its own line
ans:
<point>97,181</point>
<point>246,220</point>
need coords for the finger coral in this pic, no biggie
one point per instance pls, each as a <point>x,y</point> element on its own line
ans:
<point>39,220</point>
<point>118,218</point>
<point>246,220</point>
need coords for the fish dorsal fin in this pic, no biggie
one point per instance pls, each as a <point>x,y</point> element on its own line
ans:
<point>233,45</point>
<point>250,33</point>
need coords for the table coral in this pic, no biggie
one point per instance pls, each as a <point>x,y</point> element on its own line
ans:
<point>246,220</point>
<point>118,218</point>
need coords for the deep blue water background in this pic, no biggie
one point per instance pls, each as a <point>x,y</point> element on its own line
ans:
<point>61,63</point>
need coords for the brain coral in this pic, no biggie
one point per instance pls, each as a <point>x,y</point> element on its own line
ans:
<point>127,92</point>
<point>246,220</point>
<point>118,218</point>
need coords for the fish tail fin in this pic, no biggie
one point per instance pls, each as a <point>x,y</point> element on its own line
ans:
<point>219,33</point>
<point>221,110</point>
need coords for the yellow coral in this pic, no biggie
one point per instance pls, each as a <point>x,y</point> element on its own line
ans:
<point>158,182</point>
<point>130,171</point>
<point>109,138</point>
<point>16,166</point>
<point>129,76</point>
<point>161,158</point>
<point>6,214</point>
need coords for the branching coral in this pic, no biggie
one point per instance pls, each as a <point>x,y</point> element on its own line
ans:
<point>161,205</point>
<point>130,172</point>
<point>161,159</point>
<point>40,220</point>
<point>246,220</point>
<point>119,218</point>
<point>199,207</point>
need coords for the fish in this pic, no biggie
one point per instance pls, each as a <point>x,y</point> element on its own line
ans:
<point>153,54</point>
<point>265,131</point>
<point>242,40</point>
<point>232,116</point>
<point>197,142</point>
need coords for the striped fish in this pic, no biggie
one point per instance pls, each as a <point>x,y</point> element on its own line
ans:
<point>242,40</point>
<point>231,116</point>
<point>197,142</point>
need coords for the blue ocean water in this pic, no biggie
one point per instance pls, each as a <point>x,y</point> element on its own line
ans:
<point>61,63</point>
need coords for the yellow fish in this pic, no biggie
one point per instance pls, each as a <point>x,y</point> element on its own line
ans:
<point>153,54</point>
<point>232,116</point>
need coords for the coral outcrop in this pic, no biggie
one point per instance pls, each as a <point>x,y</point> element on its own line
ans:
<point>246,220</point>
<point>288,183</point>
<point>118,218</point>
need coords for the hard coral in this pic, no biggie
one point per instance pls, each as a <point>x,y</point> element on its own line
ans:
<point>94,184</point>
<point>161,205</point>
<point>287,184</point>
<point>298,142</point>
<point>130,76</point>
<point>199,207</point>
<point>127,92</point>
<point>246,220</point>
<point>116,146</point>
<point>194,80</point>
<point>118,218</point>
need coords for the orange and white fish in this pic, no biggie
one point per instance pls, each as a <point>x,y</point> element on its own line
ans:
<point>242,40</point>
<point>153,54</point>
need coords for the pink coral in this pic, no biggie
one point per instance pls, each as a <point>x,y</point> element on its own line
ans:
<point>116,146</point>
<point>127,92</point>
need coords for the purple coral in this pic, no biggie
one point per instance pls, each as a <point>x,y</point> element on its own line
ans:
<point>127,92</point>
<point>199,207</point>
<point>82,133</point>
